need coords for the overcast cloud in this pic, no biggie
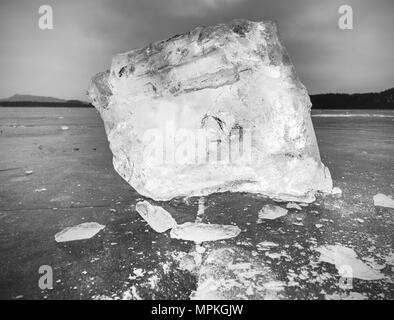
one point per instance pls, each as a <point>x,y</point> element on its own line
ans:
<point>86,34</point>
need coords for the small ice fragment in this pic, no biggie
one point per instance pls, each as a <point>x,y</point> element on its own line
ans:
<point>200,232</point>
<point>336,190</point>
<point>390,259</point>
<point>200,249</point>
<point>273,255</point>
<point>159,219</point>
<point>298,246</point>
<point>344,296</point>
<point>382,200</point>
<point>267,244</point>
<point>249,291</point>
<point>293,205</point>
<point>138,272</point>
<point>64,127</point>
<point>79,232</point>
<point>271,212</point>
<point>318,225</point>
<point>274,285</point>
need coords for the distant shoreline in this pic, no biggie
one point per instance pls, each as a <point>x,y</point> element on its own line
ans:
<point>375,100</point>
<point>90,106</point>
<point>35,104</point>
<point>372,100</point>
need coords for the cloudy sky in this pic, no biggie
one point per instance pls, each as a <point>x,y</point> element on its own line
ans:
<point>87,33</point>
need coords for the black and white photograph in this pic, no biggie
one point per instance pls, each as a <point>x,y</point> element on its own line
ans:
<point>211,152</point>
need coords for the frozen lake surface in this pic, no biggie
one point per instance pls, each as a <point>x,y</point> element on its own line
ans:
<point>73,181</point>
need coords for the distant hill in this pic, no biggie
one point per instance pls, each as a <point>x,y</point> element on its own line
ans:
<point>373,100</point>
<point>26,100</point>
<point>31,98</point>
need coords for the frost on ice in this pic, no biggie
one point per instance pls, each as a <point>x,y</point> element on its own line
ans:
<point>231,273</point>
<point>343,257</point>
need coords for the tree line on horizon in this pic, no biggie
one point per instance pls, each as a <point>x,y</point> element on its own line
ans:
<point>372,100</point>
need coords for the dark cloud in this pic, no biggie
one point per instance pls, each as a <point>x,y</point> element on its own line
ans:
<point>88,33</point>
